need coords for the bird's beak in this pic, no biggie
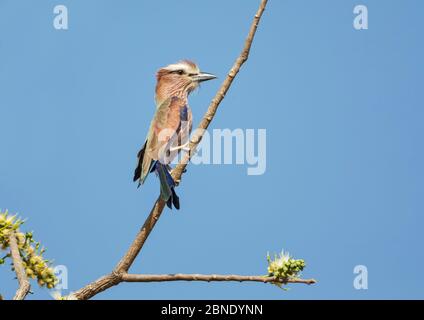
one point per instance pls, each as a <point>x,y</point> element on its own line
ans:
<point>203,76</point>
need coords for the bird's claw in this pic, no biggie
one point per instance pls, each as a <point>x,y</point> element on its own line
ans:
<point>184,147</point>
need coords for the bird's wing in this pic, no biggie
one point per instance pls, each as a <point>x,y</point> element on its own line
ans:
<point>186,125</point>
<point>165,126</point>
<point>163,129</point>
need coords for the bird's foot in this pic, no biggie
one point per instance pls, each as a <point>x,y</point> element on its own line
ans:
<point>184,147</point>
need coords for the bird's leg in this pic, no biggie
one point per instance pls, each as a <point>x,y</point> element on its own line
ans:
<point>184,147</point>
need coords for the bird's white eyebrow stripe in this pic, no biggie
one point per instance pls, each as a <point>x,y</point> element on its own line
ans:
<point>177,66</point>
<point>181,66</point>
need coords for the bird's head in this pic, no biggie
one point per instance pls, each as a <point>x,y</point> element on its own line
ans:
<point>179,79</point>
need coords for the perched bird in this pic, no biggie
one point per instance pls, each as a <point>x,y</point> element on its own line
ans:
<point>171,125</point>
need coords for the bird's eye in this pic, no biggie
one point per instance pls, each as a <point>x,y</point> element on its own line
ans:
<point>180,72</point>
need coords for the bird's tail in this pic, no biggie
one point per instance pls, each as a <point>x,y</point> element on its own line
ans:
<point>167,185</point>
<point>138,174</point>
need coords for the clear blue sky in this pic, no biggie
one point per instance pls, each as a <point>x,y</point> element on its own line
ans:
<point>344,116</point>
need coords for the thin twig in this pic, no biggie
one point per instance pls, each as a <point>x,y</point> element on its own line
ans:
<point>24,285</point>
<point>209,278</point>
<point>125,263</point>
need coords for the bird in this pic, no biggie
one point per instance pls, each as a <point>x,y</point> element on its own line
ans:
<point>170,127</point>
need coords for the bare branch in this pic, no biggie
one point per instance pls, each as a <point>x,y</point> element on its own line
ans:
<point>208,278</point>
<point>124,265</point>
<point>213,107</point>
<point>24,285</point>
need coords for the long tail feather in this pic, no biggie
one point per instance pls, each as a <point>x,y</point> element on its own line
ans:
<point>175,199</point>
<point>138,172</point>
<point>167,186</point>
<point>140,156</point>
